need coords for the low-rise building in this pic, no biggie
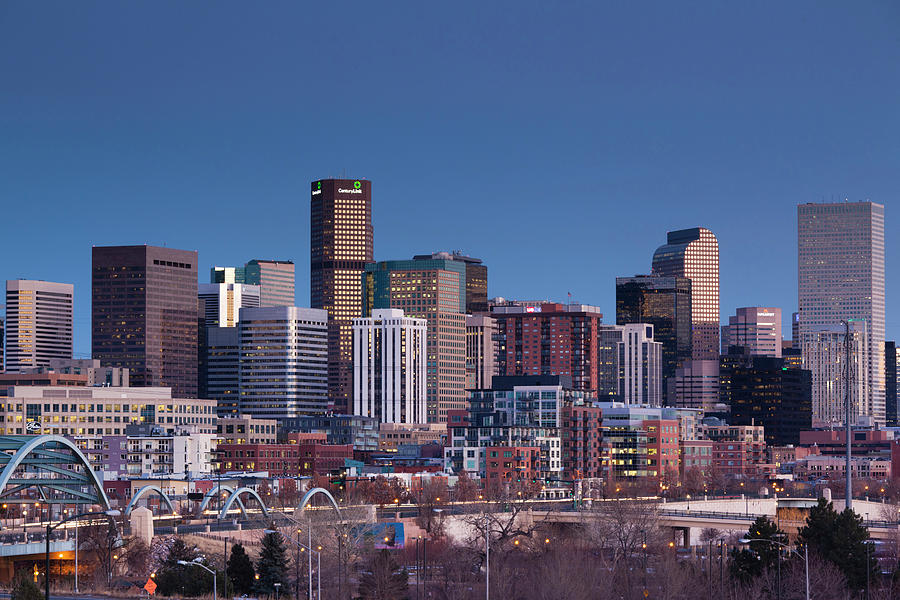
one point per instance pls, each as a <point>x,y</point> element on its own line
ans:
<point>77,411</point>
<point>358,431</point>
<point>154,452</point>
<point>392,435</point>
<point>247,430</point>
<point>833,467</point>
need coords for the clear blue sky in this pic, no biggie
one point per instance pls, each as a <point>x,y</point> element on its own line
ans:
<point>557,141</point>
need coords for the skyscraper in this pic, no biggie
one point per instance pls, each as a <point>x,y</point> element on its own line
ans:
<point>38,323</point>
<point>219,309</point>
<point>824,351</point>
<point>389,353</point>
<point>694,253</point>
<point>144,314</point>
<point>551,339</point>
<point>275,279</point>
<point>890,383</point>
<point>432,289</point>
<point>220,302</point>
<point>476,278</point>
<point>762,391</point>
<point>665,303</point>
<point>640,372</point>
<point>341,245</point>
<point>756,328</point>
<point>481,351</point>
<point>283,362</point>
<point>841,277</point>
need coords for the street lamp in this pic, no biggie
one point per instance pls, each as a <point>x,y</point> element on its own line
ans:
<point>50,528</point>
<point>205,568</point>
<point>804,556</point>
<point>318,554</point>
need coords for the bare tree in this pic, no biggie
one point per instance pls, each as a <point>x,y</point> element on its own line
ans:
<point>431,499</point>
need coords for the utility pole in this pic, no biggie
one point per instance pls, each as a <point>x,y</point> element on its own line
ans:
<point>849,493</point>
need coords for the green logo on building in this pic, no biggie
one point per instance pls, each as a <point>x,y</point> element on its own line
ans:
<point>357,185</point>
<point>319,186</point>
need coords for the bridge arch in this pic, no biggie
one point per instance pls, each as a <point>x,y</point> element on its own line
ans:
<point>145,490</point>
<point>46,459</point>
<point>212,493</point>
<point>235,497</point>
<point>308,496</point>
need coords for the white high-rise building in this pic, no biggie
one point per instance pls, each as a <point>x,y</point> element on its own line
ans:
<point>841,277</point>
<point>756,328</point>
<point>284,362</point>
<point>389,367</point>
<point>220,303</point>
<point>640,366</point>
<point>824,353</point>
<point>38,323</point>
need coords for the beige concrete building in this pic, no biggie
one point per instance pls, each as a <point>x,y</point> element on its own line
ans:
<point>392,435</point>
<point>246,430</point>
<point>78,411</point>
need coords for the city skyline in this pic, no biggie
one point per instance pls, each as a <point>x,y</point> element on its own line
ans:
<point>676,127</point>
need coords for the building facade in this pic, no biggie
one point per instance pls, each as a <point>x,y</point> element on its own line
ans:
<point>435,290</point>
<point>476,278</point>
<point>220,302</point>
<point>389,373</point>
<point>696,385</point>
<point>841,277</point>
<point>550,339</point>
<point>360,432</point>
<point>694,253</point>
<point>763,391</point>
<point>640,366</point>
<point>342,243</point>
<point>890,384</point>
<point>79,410</point>
<point>275,279</point>
<point>144,314</point>
<point>824,351</point>
<point>665,303</point>
<point>481,351</point>
<point>38,323</point>
<point>756,328</point>
<point>283,362</point>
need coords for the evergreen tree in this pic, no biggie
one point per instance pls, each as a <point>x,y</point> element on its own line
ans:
<point>272,564</point>
<point>25,588</point>
<point>384,580</point>
<point>749,562</point>
<point>182,580</point>
<point>843,540</point>
<point>240,570</point>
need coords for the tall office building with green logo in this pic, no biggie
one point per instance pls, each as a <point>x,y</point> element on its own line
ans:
<point>341,245</point>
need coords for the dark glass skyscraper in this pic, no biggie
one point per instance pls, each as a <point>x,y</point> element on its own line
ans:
<point>664,302</point>
<point>341,245</point>
<point>144,314</point>
<point>890,383</point>
<point>761,390</point>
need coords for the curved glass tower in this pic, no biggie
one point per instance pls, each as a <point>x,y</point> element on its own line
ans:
<point>694,253</point>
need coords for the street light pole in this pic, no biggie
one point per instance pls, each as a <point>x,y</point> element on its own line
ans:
<point>50,528</point>
<point>805,555</point>
<point>204,567</point>
<point>487,558</point>
<point>310,550</point>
